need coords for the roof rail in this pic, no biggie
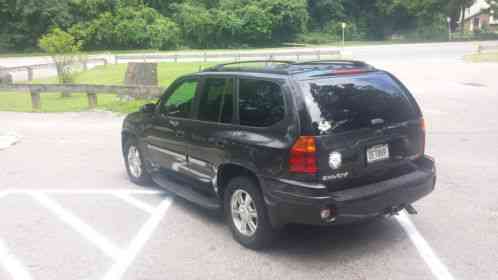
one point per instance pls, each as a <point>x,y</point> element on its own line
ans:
<point>221,66</point>
<point>334,61</point>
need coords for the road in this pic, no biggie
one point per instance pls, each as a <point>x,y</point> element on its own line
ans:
<point>69,212</point>
<point>419,53</point>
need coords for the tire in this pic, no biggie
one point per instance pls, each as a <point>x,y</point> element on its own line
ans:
<point>138,174</point>
<point>258,237</point>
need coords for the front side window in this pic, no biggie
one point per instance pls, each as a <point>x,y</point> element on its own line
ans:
<point>261,103</point>
<point>179,103</point>
<point>216,103</point>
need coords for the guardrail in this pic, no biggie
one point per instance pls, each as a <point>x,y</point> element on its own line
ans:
<point>90,90</point>
<point>484,48</point>
<point>234,56</point>
<point>30,68</point>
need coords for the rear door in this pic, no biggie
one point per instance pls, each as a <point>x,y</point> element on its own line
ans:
<point>369,123</point>
<point>208,136</point>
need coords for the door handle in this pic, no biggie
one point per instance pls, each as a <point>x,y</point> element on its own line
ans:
<point>221,143</point>
<point>180,133</point>
<point>217,142</point>
<point>173,123</point>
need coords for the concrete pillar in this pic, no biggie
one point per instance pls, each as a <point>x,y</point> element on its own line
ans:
<point>30,73</point>
<point>92,100</point>
<point>35,100</point>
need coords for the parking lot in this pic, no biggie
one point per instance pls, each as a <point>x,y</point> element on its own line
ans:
<point>68,211</point>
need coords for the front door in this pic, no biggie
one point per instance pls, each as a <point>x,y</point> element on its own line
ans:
<point>166,137</point>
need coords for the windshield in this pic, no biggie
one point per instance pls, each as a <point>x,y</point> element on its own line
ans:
<point>340,104</point>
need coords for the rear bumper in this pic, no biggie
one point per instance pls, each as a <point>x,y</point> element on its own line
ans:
<point>285,205</point>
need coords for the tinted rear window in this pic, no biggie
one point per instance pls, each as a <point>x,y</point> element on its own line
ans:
<point>261,103</point>
<point>340,104</point>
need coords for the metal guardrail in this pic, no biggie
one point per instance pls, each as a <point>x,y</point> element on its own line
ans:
<point>30,68</point>
<point>234,56</point>
<point>91,90</point>
<point>484,48</point>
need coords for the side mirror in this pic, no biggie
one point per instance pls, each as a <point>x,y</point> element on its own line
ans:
<point>148,108</point>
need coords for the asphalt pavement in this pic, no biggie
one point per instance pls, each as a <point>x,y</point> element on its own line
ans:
<point>68,210</point>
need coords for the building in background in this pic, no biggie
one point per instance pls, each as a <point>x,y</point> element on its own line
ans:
<point>479,17</point>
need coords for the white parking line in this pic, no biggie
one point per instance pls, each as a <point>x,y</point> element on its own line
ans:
<point>439,270</point>
<point>84,191</point>
<point>12,265</point>
<point>119,268</point>
<point>135,202</point>
<point>4,193</point>
<point>79,225</point>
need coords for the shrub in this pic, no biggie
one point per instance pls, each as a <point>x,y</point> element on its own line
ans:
<point>128,27</point>
<point>64,50</point>
<point>164,34</point>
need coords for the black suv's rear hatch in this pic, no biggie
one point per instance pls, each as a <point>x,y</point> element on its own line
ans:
<point>368,128</point>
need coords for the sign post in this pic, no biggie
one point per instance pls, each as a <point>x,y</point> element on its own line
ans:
<point>343,34</point>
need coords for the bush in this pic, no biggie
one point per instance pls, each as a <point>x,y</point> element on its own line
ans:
<point>128,27</point>
<point>164,34</point>
<point>352,32</point>
<point>64,50</point>
<point>317,38</point>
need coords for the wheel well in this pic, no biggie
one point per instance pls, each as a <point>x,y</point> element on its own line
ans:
<point>124,138</point>
<point>229,171</point>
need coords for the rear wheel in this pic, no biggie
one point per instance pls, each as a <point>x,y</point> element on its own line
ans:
<point>135,166</point>
<point>246,213</point>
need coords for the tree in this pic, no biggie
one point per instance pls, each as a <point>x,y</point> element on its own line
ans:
<point>324,11</point>
<point>460,6</point>
<point>22,22</point>
<point>493,6</point>
<point>63,49</point>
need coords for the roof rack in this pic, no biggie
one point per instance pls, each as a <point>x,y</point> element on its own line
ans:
<point>333,61</point>
<point>223,65</point>
<point>293,68</point>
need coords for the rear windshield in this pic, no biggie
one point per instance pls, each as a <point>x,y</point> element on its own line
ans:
<point>340,104</point>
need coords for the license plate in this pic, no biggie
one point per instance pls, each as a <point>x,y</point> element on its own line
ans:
<point>377,153</point>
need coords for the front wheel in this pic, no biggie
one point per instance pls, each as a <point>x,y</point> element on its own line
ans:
<point>246,213</point>
<point>134,161</point>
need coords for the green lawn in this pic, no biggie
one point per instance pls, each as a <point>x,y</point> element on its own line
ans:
<point>103,75</point>
<point>482,57</point>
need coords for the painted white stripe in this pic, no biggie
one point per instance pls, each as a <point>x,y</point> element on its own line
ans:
<point>4,193</point>
<point>12,265</point>
<point>79,225</point>
<point>85,191</point>
<point>119,268</point>
<point>439,270</point>
<point>135,202</point>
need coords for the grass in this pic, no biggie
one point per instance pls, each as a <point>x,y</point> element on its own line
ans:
<point>102,75</point>
<point>482,57</point>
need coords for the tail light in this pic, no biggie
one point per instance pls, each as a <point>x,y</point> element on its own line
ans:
<point>423,125</point>
<point>302,157</point>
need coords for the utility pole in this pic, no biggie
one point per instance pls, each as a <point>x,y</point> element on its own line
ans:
<point>449,29</point>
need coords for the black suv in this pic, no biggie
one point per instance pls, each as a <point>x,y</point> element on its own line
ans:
<point>273,143</point>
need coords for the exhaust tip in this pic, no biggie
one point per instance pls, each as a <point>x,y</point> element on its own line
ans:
<point>411,210</point>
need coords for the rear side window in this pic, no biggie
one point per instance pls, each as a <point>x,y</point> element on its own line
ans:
<point>261,103</point>
<point>216,104</point>
<point>340,104</point>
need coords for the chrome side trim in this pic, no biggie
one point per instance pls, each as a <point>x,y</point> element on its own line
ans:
<point>197,162</point>
<point>302,184</point>
<point>164,151</point>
